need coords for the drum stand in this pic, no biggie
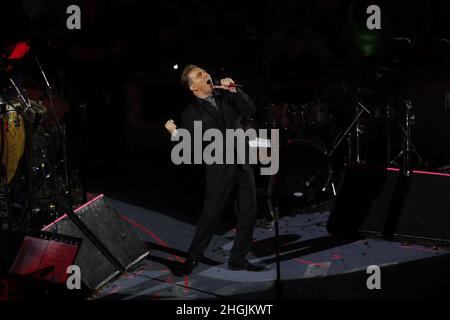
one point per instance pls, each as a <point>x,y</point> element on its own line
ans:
<point>408,147</point>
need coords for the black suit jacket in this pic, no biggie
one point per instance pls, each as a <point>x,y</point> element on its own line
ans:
<point>233,107</point>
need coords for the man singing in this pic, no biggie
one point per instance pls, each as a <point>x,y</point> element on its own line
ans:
<point>220,107</point>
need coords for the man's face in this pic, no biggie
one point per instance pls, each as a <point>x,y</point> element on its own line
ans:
<point>201,83</point>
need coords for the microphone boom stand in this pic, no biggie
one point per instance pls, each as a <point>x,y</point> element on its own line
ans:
<point>61,136</point>
<point>347,132</point>
<point>71,213</point>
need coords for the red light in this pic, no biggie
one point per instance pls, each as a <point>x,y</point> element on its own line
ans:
<point>20,50</point>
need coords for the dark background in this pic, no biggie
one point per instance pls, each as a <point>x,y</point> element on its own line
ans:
<point>117,73</point>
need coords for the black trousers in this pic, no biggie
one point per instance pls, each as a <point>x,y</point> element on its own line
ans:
<point>220,185</point>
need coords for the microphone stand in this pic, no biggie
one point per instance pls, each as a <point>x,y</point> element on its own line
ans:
<point>25,101</point>
<point>360,109</point>
<point>61,135</point>
<point>71,213</point>
<point>274,212</point>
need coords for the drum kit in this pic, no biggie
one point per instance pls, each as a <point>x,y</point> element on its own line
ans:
<point>305,130</point>
<point>36,185</point>
<point>314,147</point>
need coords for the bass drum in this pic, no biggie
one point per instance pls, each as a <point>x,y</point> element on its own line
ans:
<point>304,172</point>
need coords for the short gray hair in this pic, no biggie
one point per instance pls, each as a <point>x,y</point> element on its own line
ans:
<point>185,80</point>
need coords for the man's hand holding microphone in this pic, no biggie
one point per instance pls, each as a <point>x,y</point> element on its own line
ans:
<point>227,84</point>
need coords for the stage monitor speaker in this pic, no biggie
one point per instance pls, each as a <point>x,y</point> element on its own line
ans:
<point>384,203</point>
<point>425,214</point>
<point>109,245</point>
<point>363,201</point>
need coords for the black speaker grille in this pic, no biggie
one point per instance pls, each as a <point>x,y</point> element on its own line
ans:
<point>115,234</point>
<point>95,268</point>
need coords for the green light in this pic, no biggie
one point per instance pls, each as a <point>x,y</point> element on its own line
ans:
<point>368,42</point>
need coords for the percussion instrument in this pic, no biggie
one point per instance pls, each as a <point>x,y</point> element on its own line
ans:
<point>13,138</point>
<point>297,118</point>
<point>14,129</point>
<point>304,170</point>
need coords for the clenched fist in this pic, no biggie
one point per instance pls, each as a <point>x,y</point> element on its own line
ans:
<point>171,127</point>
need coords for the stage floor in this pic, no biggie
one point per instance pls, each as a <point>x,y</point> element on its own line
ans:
<point>314,265</point>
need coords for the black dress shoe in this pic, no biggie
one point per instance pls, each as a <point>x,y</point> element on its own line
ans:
<point>245,265</point>
<point>190,264</point>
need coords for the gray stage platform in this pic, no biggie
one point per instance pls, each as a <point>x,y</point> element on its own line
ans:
<point>314,265</point>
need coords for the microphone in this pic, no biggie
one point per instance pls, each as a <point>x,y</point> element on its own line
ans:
<point>231,85</point>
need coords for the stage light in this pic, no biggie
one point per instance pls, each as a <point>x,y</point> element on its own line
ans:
<point>368,42</point>
<point>175,67</point>
<point>19,50</point>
